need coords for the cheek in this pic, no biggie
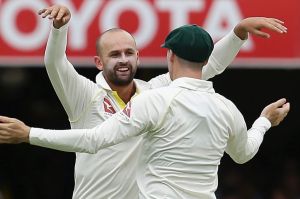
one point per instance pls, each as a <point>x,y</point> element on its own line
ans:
<point>110,64</point>
<point>132,58</point>
<point>134,61</point>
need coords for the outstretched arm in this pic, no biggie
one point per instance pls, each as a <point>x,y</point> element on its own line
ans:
<point>113,131</point>
<point>243,144</point>
<point>138,117</point>
<point>227,48</point>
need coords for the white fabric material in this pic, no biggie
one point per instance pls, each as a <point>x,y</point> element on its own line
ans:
<point>186,129</point>
<point>110,173</point>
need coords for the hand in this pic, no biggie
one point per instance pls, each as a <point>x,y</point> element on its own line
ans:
<point>254,25</point>
<point>276,112</point>
<point>61,15</point>
<point>13,131</point>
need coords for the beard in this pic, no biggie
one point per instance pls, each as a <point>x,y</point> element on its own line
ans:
<point>121,78</point>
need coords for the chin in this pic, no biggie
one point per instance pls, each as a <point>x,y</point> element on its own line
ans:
<point>123,82</point>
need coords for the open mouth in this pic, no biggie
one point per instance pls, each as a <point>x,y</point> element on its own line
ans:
<point>122,69</point>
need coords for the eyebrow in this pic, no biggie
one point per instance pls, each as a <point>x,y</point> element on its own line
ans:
<point>117,51</point>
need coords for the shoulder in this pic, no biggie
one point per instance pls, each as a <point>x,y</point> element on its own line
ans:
<point>227,102</point>
<point>229,106</point>
<point>142,85</point>
<point>160,96</point>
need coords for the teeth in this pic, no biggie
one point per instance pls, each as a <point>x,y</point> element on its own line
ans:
<point>123,69</point>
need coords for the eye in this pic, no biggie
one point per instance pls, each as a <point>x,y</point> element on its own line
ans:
<point>130,52</point>
<point>114,55</point>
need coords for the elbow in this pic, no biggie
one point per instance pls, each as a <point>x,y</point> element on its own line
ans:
<point>242,158</point>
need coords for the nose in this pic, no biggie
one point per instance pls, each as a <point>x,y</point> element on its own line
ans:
<point>123,58</point>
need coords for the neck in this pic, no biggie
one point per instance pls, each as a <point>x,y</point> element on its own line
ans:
<point>190,74</point>
<point>187,71</point>
<point>125,92</point>
<point>184,68</point>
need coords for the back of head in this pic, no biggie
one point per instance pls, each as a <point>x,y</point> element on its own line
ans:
<point>190,42</point>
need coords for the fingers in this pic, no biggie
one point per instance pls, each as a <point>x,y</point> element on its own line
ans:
<point>4,139</point>
<point>276,25</point>
<point>281,110</point>
<point>45,12</point>
<point>4,135</point>
<point>60,14</point>
<point>279,103</point>
<point>256,26</point>
<point>4,119</point>
<point>6,127</point>
<point>56,12</point>
<point>14,132</point>
<point>260,33</point>
<point>280,26</point>
<point>3,126</point>
<point>276,111</point>
<point>277,20</point>
<point>285,109</point>
<point>7,137</point>
<point>42,11</point>
<point>270,24</point>
<point>281,106</point>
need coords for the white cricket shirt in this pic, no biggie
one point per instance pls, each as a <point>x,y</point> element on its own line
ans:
<point>186,129</point>
<point>110,173</point>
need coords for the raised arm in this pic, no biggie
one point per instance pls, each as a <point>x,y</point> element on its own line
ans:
<point>227,48</point>
<point>243,144</point>
<point>73,90</point>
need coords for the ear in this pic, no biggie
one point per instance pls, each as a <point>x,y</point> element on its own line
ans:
<point>98,62</point>
<point>172,56</point>
<point>138,58</point>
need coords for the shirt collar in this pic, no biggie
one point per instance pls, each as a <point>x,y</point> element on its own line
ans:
<point>193,84</point>
<point>100,80</point>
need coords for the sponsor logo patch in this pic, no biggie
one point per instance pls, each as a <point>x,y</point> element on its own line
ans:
<point>108,108</point>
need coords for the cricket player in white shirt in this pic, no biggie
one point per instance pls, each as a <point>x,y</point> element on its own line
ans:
<point>109,173</point>
<point>186,127</point>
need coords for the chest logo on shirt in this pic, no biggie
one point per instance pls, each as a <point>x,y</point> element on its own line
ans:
<point>108,108</point>
<point>127,109</point>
